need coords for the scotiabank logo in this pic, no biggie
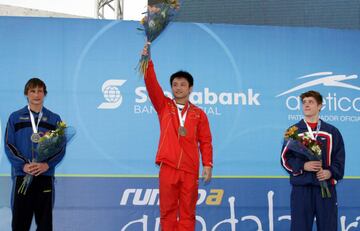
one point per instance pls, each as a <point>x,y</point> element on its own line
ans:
<point>209,101</point>
<point>208,97</point>
<point>112,94</point>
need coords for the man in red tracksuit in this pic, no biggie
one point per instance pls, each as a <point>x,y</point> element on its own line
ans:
<point>184,130</point>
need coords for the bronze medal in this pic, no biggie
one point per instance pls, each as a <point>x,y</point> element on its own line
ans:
<point>182,131</point>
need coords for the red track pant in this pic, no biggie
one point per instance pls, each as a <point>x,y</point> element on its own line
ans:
<point>178,196</point>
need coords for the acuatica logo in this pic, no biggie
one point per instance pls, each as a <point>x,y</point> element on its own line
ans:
<point>332,100</point>
<point>337,103</point>
<point>112,94</point>
<point>326,79</point>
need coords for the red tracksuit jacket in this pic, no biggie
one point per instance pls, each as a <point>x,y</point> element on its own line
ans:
<point>180,152</point>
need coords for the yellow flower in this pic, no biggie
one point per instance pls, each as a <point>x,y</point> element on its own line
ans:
<point>291,131</point>
<point>62,124</point>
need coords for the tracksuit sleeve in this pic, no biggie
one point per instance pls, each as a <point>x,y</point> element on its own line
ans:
<point>338,161</point>
<point>153,87</point>
<point>16,159</point>
<point>292,164</point>
<point>205,141</point>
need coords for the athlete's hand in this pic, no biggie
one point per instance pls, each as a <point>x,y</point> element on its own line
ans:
<point>39,168</point>
<point>207,173</point>
<point>145,51</point>
<point>323,174</point>
<point>312,166</point>
<point>29,168</point>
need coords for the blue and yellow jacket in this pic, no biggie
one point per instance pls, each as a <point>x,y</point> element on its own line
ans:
<point>18,146</point>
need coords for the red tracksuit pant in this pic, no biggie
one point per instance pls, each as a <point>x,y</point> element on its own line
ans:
<point>178,196</point>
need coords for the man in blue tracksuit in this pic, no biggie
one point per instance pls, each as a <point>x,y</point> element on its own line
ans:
<point>22,133</point>
<point>307,200</point>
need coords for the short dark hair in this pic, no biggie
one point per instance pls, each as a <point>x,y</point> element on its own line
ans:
<point>316,95</point>
<point>182,74</point>
<point>33,83</point>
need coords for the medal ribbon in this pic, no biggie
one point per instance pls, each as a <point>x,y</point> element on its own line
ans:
<point>182,117</point>
<point>310,131</point>
<point>32,119</point>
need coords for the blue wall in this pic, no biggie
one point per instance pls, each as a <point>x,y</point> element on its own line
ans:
<point>247,79</point>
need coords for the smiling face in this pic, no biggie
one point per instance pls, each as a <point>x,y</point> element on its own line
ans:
<point>311,109</point>
<point>181,89</point>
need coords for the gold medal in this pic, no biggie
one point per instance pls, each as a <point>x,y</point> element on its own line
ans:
<point>35,137</point>
<point>182,131</point>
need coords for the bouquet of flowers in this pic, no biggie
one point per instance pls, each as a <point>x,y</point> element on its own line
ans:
<point>50,144</point>
<point>155,21</point>
<point>307,147</point>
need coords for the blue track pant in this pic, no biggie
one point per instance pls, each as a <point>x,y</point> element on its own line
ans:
<point>307,204</point>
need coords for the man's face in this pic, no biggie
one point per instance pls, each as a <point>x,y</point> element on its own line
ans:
<point>180,88</point>
<point>310,107</point>
<point>36,96</point>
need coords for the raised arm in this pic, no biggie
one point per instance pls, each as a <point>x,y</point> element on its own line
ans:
<point>153,87</point>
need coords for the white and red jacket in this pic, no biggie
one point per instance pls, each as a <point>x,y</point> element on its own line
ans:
<point>180,152</point>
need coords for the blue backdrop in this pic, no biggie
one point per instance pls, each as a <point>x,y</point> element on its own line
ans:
<point>247,79</point>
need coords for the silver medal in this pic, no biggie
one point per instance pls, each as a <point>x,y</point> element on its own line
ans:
<point>35,137</point>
